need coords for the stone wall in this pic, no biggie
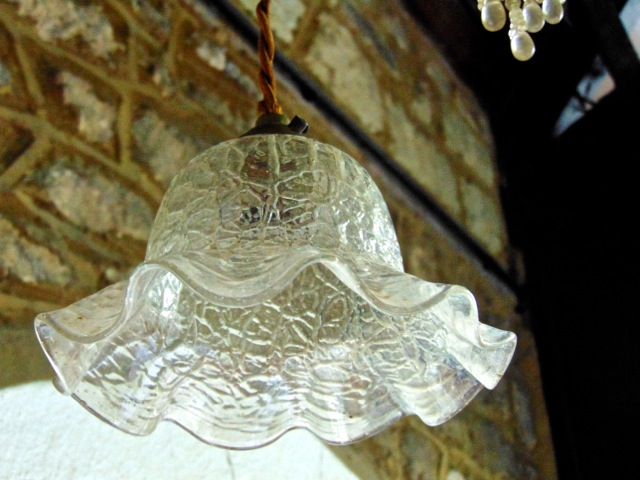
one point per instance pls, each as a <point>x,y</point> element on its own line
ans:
<point>102,102</point>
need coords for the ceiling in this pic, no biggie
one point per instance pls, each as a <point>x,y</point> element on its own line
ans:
<point>571,208</point>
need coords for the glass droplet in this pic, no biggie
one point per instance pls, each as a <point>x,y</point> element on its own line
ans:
<point>522,46</point>
<point>533,16</point>
<point>517,19</point>
<point>553,11</point>
<point>493,15</point>
<point>511,4</point>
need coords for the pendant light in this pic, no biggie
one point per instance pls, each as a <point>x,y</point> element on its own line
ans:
<point>272,296</point>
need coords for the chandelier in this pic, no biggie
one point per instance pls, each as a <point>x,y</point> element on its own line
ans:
<point>272,296</point>
<point>525,17</point>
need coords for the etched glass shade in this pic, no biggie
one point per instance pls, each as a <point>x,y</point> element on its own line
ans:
<point>273,297</point>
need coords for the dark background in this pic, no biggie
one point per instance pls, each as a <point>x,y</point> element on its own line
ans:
<point>571,204</point>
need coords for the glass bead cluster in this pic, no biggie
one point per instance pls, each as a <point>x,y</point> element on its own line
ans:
<point>525,17</point>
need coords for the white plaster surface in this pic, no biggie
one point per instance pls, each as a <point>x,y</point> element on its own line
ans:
<point>47,436</point>
<point>455,475</point>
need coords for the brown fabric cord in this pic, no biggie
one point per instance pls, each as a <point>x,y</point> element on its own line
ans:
<point>266,53</point>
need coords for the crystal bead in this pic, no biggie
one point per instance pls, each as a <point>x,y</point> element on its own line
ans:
<point>511,4</point>
<point>493,15</point>
<point>553,11</point>
<point>522,46</point>
<point>516,16</point>
<point>533,16</point>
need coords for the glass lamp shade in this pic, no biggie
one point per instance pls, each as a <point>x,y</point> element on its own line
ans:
<point>273,297</point>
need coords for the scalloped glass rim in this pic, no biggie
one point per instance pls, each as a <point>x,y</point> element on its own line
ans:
<point>308,321</point>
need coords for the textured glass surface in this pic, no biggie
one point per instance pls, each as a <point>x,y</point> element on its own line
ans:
<point>273,297</point>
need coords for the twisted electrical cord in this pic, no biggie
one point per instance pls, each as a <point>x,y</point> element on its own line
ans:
<point>266,54</point>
